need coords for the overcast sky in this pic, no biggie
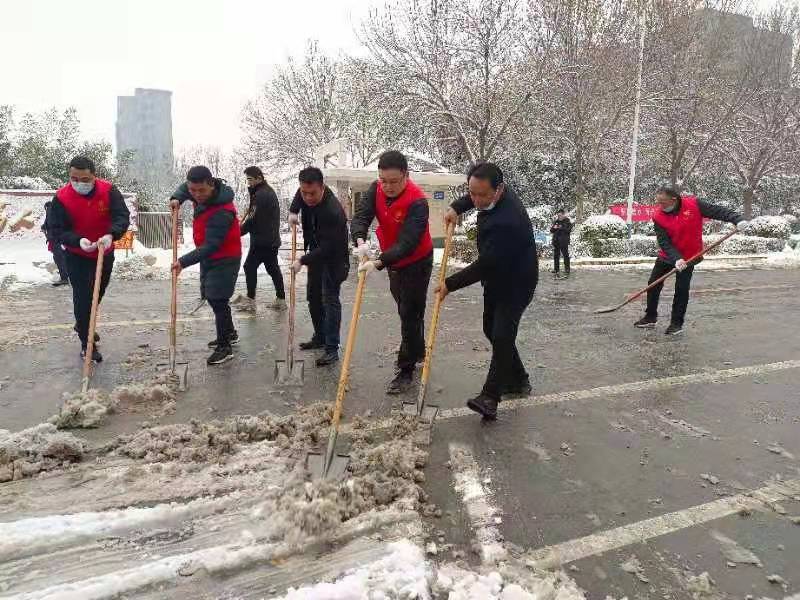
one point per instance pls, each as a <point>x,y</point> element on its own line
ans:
<point>212,54</point>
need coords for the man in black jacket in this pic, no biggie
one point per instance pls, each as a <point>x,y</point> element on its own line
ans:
<point>401,210</point>
<point>560,231</point>
<point>508,269</point>
<point>262,222</point>
<point>327,259</point>
<point>55,248</point>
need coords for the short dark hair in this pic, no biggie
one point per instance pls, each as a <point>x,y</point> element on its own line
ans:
<point>393,159</point>
<point>561,210</point>
<point>669,190</point>
<point>200,174</point>
<point>81,163</point>
<point>254,172</point>
<point>488,172</point>
<point>311,175</point>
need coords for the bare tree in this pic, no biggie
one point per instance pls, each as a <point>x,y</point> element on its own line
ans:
<point>455,67</point>
<point>763,138</point>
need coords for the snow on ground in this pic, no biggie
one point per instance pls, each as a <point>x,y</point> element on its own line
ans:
<point>24,261</point>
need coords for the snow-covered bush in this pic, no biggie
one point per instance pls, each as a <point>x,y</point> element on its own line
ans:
<point>794,241</point>
<point>464,249</point>
<point>742,244</point>
<point>644,228</point>
<point>469,225</point>
<point>769,227</point>
<point>23,183</point>
<point>600,227</point>
<point>541,217</point>
<point>793,221</point>
<point>638,245</point>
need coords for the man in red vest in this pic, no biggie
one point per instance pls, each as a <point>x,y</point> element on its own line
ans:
<point>218,249</point>
<point>679,231</point>
<point>401,209</point>
<point>84,214</point>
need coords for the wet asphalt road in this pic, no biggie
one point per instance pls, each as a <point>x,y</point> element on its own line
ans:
<point>559,470</point>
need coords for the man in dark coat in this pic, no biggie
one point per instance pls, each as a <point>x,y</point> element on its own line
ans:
<point>55,248</point>
<point>262,221</point>
<point>679,231</point>
<point>85,214</point>
<point>560,231</point>
<point>401,209</point>
<point>218,250</point>
<point>508,269</point>
<point>327,258</point>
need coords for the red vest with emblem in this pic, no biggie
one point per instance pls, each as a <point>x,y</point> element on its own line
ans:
<point>231,246</point>
<point>391,219</point>
<point>90,215</point>
<point>685,229</point>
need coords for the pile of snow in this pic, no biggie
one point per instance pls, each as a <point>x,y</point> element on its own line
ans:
<point>40,448</point>
<point>603,227</point>
<point>139,267</point>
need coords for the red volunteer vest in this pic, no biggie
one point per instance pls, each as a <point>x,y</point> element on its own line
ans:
<point>232,244</point>
<point>685,229</point>
<point>90,215</point>
<point>391,219</point>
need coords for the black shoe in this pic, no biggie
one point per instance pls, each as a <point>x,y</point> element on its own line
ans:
<point>96,356</point>
<point>232,340</point>
<point>60,282</point>
<point>673,329</point>
<point>312,344</point>
<point>401,382</point>
<point>328,359</point>
<point>521,390</point>
<point>646,323</point>
<point>484,406</point>
<point>223,353</point>
<point>554,272</point>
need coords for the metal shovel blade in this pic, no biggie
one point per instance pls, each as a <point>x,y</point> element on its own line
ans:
<point>182,373</point>
<point>427,415</point>
<point>289,374</point>
<point>315,463</point>
<point>607,309</point>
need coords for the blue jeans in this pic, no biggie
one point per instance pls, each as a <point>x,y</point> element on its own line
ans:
<point>324,286</point>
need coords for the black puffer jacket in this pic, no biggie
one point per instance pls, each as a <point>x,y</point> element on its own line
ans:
<point>324,230</point>
<point>263,217</point>
<point>561,229</point>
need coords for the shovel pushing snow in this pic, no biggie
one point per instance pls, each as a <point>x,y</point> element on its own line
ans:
<point>87,359</point>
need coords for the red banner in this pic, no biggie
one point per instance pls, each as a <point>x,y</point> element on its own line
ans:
<point>641,212</point>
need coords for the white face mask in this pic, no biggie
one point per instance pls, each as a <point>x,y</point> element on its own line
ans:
<point>84,188</point>
<point>488,208</point>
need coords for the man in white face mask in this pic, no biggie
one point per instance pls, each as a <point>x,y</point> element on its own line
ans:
<point>85,214</point>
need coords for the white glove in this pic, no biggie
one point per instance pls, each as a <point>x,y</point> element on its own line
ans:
<point>367,267</point>
<point>742,225</point>
<point>296,266</point>
<point>107,240</point>
<point>681,264</point>
<point>361,250</point>
<point>294,219</point>
<point>87,246</point>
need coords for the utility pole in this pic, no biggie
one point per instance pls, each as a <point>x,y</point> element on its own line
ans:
<point>636,111</point>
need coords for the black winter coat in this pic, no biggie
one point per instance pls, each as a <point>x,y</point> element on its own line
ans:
<point>324,230</point>
<point>263,217</point>
<point>561,230</point>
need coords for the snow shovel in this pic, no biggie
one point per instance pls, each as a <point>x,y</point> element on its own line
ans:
<point>290,371</point>
<point>427,413</point>
<point>178,370</point>
<point>660,280</point>
<point>331,464</point>
<point>87,360</point>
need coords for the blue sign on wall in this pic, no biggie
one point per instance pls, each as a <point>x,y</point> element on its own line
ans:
<point>438,195</point>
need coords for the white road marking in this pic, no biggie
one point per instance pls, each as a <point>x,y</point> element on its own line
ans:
<point>566,552</point>
<point>484,516</point>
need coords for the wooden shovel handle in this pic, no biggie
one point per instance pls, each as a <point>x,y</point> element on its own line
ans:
<point>98,275</point>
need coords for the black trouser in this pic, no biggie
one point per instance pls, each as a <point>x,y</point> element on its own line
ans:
<point>501,317</point>
<point>61,261</point>
<point>269,257</point>
<point>322,292</point>
<point>223,320</point>
<point>681,299</point>
<point>560,249</point>
<point>81,276</point>
<point>409,287</point>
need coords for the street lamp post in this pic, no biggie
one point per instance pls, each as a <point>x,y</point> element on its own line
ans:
<point>635,137</point>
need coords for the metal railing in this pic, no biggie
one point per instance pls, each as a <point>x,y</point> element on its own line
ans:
<point>155,230</point>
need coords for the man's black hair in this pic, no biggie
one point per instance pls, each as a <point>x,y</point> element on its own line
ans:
<point>254,172</point>
<point>488,172</point>
<point>81,163</point>
<point>393,159</point>
<point>311,175</point>
<point>561,210</point>
<point>670,190</point>
<point>200,174</point>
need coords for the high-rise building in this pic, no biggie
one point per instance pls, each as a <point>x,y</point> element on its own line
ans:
<point>144,137</point>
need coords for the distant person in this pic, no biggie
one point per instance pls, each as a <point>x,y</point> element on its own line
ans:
<point>86,212</point>
<point>560,231</point>
<point>218,250</point>
<point>327,258</point>
<point>55,248</point>
<point>262,221</point>
<point>679,232</point>
<point>401,209</point>
<point>508,269</point>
